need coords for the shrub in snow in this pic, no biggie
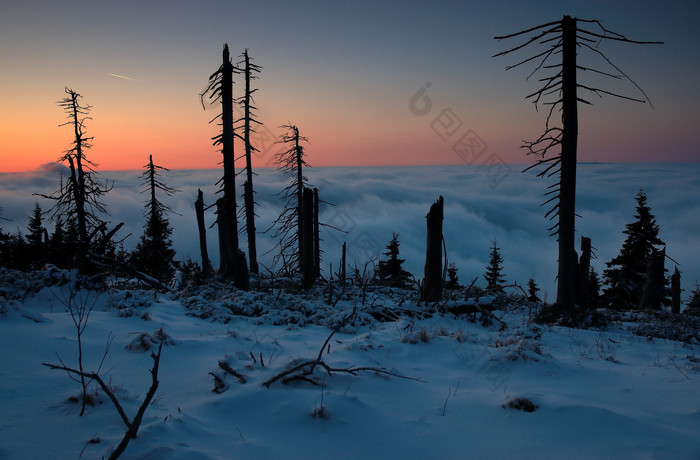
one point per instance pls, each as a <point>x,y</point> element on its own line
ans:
<point>145,341</point>
<point>523,404</point>
<point>128,303</point>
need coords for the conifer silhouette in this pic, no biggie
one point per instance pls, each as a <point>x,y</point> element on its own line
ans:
<point>154,253</point>
<point>390,271</point>
<point>627,272</point>
<point>493,276</point>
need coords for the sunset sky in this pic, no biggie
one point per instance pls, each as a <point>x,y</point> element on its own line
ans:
<point>344,73</point>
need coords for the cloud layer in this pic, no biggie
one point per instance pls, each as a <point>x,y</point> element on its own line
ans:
<point>371,203</point>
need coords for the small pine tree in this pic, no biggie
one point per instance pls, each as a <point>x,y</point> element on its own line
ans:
<point>4,241</point>
<point>626,273</point>
<point>452,278</point>
<point>154,253</point>
<point>390,271</point>
<point>35,238</point>
<point>532,291</point>
<point>593,289</point>
<point>17,252</point>
<point>693,304</point>
<point>494,277</point>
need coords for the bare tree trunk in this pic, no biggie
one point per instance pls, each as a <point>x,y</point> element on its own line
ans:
<point>199,210</point>
<point>221,225</point>
<point>249,199</point>
<point>654,288</point>
<point>308,270</point>
<point>300,196</point>
<point>228,207</point>
<point>317,238</point>
<point>584,272</point>
<point>248,194</point>
<point>676,292</point>
<point>343,264</point>
<point>432,284</point>
<point>566,288</point>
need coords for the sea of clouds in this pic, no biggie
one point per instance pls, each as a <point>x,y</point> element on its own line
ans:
<point>369,203</point>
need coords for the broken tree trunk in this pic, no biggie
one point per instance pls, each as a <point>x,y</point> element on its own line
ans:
<point>676,292</point>
<point>317,238</point>
<point>343,264</point>
<point>654,288</point>
<point>584,273</point>
<point>221,225</point>
<point>199,210</point>
<point>432,284</point>
<point>308,270</point>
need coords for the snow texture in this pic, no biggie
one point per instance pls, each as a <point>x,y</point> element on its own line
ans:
<point>520,391</point>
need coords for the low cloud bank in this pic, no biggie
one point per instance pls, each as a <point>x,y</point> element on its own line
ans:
<point>371,203</point>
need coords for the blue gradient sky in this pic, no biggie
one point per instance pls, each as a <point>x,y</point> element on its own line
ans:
<point>342,72</point>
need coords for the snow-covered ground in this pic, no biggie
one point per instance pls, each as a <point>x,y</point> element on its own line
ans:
<point>599,394</point>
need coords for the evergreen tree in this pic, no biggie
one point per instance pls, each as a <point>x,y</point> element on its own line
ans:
<point>693,304</point>
<point>594,300</point>
<point>390,271</point>
<point>4,245</point>
<point>57,245</point>
<point>532,291</point>
<point>494,277</point>
<point>17,252</point>
<point>154,253</point>
<point>35,239</point>
<point>452,278</point>
<point>626,273</point>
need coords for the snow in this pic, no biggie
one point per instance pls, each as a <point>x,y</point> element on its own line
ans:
<point>599,393</point>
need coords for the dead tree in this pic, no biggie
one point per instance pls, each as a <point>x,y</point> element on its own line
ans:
<point>199,210</point>
<point>317,237</point>
<point>343,262</point>
<point>676,292</point>
<point>583,274</point>
<point>79,198</point>
<point>432,283</point>
<point>232,264</point>
<point>563,38</point>
<point>308,269</point>
<point>249,70</point>
<point>288,227</point>
<point>655,282</point>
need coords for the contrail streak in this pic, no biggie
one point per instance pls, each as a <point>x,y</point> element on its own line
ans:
<point>121,76</point>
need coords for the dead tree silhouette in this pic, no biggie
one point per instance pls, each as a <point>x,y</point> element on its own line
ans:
<point>559,92</point>
<point>288,228</point>
<point>233,264</point>
<point>79,198</point>
<point>249,70</point>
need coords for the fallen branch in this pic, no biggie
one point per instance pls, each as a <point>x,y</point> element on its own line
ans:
<point>304,370</point>
<point>94,376</point>
<point>134,424</point>
<point>225,366</point>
